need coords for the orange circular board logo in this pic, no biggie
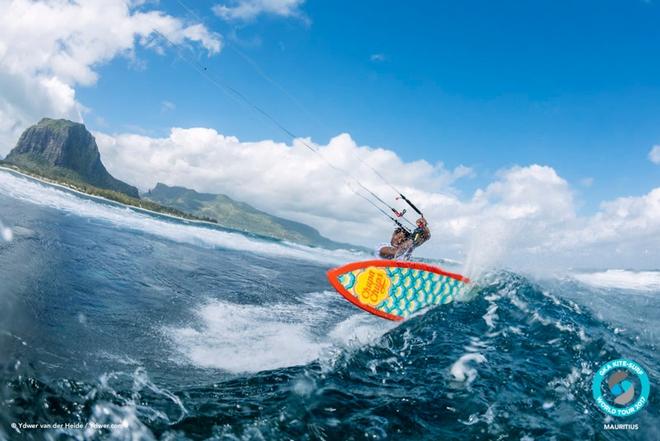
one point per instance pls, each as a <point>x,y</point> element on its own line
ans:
<point>372,286</point>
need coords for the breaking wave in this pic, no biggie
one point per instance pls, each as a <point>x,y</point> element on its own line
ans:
<point>196,233</point>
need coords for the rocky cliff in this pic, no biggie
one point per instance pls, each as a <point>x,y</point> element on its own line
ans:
<point>64,149</point>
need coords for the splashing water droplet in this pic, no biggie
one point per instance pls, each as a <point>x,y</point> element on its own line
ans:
<point>6,233</point>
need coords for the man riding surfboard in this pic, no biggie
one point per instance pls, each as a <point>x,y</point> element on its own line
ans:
<point>404,242</point>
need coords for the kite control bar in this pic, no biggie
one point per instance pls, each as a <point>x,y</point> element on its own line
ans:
<point>411,204</point>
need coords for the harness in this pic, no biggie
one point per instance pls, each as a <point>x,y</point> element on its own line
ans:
<point>418,236</point>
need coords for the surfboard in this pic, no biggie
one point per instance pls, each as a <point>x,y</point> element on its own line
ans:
<point>395,289</point>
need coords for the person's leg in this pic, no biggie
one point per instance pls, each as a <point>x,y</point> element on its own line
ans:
<point>402,249</point>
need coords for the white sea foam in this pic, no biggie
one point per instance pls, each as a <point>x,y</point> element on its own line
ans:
<point>461,369</point>
<point>568,384</point>
<point>359,329</point>
<point>247,338</point>
<point>491,315</point>
<point>622,279</point>
<point>251,338</point>
<point>476,345</point>
<point>45,195</point>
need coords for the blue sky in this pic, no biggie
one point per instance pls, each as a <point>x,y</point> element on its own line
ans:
<point>573,85</point>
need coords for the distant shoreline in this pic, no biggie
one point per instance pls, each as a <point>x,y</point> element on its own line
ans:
<point>199,222</point>
<point>132,207</point>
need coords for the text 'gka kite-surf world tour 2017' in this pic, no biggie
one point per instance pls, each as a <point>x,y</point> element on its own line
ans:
<point>474,253</point>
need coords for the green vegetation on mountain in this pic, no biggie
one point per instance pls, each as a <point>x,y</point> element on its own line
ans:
<point>63,152</point>
<point>239,215</point>
<point>116,196</point>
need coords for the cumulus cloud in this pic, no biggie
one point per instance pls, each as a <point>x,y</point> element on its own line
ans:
<point>378,58</point>
<point>627,217</point>
<point>49,47</point>
<point>289,180</point>
<point>525,215</point>
<point>246,10</point>
<point>654,154</point>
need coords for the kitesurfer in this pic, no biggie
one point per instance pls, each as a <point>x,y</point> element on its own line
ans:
<point>403,242</point>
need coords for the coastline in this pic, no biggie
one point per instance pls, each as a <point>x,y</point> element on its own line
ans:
<point>46,181</point>
<point>199,222</point>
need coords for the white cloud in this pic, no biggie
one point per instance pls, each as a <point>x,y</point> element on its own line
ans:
<point>289,180</point>
<point>49,47</point>
<point>246,10</point>
<point>654,154</point>
<point>525,216</point>
<point>628,217</point>
<point>377,58</point>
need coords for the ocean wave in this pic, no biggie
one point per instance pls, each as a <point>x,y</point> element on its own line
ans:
<point>240,338</point>
<point>229,357</point>
<point>118,405</point>
<point>622,279</point>
<point>484,369</point>
<point>35,192</point>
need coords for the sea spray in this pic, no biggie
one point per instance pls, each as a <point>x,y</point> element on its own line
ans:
<point>6,233</point>
<point>488,245</point>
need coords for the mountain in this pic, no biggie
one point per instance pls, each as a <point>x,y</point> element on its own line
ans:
<point>66,152</point>
<point>62,149</point>
<point>239,215</point>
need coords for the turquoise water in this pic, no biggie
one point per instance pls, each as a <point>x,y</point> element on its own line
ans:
<point>171,330</point>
